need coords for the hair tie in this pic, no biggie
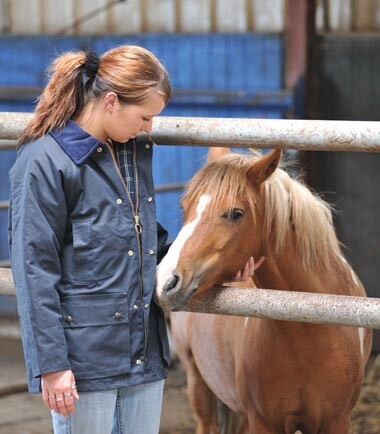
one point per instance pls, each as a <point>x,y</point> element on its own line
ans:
<point>92,64</point>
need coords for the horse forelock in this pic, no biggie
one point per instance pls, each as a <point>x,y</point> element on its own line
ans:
<point>224,180</point>
<point>290,207</point>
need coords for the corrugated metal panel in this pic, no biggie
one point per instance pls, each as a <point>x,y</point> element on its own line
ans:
<point>125,18</point>
<point>55,15</point>
<point>347,16</point>
<point>158,16</point>
<point>195,16</point>
<point>231,16</point>
<point>153,16</point>
<point>269,15</point>
<point>97,23</point>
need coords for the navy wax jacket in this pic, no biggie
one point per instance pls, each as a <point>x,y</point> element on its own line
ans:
<point>84,276</point>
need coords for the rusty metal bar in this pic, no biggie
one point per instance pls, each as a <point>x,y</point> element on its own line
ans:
<point>12,124</point>
<point>169,187</point>
<point>314,135</point>
<point>6,282</point>
<point>7,144</point>
<point>269,133</point>
<point>289,306</point>
<point>274,304</point>
<point>4,204</point>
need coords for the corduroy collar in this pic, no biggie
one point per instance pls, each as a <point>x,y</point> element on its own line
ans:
<point>75,142</point>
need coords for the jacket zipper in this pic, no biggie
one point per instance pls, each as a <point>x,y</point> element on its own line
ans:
<point>138,227</point>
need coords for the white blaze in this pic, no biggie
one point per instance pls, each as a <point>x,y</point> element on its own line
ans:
<point>170,261</point>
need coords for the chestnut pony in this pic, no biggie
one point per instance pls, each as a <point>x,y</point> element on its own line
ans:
<point>281,377</point>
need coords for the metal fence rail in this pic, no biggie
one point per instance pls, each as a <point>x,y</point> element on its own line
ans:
<point>351,136</point>
<point>274,304</point>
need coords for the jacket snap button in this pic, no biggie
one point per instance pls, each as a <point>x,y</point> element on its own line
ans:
<point>151,252</point>
<point>130,253</point>
<point>150,198</point>
<point>99,149</point>
<point>117,315</point>
<point>68,318</point>
<point>146,306</point>
<point>147,145</point>
<point>138,362</point>
<point>119,201</point>
<point>135,307</point>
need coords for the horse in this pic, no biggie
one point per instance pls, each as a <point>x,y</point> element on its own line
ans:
<point>263,376</point>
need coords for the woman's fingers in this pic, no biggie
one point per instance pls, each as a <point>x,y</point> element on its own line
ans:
<point>61,404</point>
<point>248,270</point>
<point>245,274</point>
<point>250,267</point>
<point>45,397</point>
<point>258,263</point>
<point>53,402</point>
<point>59,392</point>
<point>69,401</point>
<point>74,388</point>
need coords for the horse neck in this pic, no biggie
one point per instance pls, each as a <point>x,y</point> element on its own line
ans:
<point>285,271</point>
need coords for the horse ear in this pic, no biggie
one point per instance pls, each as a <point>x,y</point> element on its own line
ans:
<point>216,153</point>
<point>262,169</point>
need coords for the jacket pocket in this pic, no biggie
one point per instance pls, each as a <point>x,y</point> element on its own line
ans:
<point>83,252</point>
<point>97,334</point>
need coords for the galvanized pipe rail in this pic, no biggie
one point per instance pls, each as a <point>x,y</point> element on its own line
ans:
<point>289,306</point>
<point>353,136</point>
<point>272,304</point>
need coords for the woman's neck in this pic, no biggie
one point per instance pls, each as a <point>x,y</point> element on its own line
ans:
<point>90,120</point>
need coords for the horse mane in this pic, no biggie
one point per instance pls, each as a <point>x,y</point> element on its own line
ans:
<point>290,207</point>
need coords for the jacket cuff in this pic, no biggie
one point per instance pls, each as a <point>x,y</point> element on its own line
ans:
<point>55,367</point>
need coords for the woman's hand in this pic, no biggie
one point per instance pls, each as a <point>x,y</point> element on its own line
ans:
<point>248,270</point>
<point>59,391</point>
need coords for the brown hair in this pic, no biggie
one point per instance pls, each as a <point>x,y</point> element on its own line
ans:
<point>132,72</point>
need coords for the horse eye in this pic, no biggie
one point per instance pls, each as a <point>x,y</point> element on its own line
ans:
<point>233,215</point>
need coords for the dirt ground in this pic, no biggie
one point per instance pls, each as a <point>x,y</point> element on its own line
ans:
<point>22,413</point>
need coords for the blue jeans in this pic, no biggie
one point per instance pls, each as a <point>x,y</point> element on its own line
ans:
<point>128,410</point>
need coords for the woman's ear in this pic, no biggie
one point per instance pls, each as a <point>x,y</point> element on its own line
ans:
<point>263,168</point>
<point>216,153</point>
<point>110,100</point>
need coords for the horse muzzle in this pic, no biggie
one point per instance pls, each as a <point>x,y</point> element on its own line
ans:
<point>171,294</point>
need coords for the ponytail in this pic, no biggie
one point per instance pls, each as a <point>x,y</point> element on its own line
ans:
<point>132,72</point>
<point>63,97</point>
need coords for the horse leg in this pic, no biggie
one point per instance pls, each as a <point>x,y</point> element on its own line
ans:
<point>202,401</point>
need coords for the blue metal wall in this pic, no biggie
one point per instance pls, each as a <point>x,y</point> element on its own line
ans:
<point>245,62</point>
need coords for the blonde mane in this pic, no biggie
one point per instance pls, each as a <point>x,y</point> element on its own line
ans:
<point>290,207</point>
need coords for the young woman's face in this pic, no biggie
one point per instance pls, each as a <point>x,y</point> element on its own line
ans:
<point>126,121</point>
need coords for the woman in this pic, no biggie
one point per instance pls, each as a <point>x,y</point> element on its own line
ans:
<point>85,244</point>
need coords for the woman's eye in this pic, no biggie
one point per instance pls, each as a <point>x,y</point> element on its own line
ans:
<point>146,119</point>
<point>233,215</point>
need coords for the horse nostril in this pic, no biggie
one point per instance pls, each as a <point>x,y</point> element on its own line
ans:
<point>171,283</point>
